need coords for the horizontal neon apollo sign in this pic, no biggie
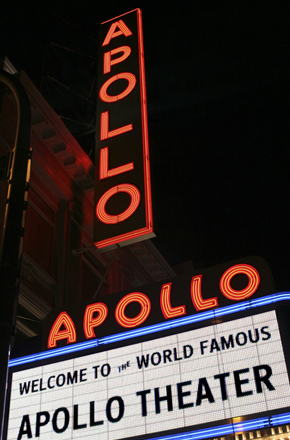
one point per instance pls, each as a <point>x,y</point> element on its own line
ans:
<point>211,314</point>
<point>96,314</point>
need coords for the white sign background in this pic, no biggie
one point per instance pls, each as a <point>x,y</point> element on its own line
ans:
<point>125,383</point>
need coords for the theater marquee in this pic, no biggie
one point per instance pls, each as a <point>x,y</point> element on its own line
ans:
<point>232,369</point>
<point>179,297</point>
<point>202,355</point>
<point>123,206</point>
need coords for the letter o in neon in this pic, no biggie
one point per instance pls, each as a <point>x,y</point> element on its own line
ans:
<point>131,84</point>
<point>238,295</point>
<point>145,304</point>
<point>108,219</point>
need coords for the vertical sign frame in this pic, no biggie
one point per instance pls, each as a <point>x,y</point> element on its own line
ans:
<point>123,204</point>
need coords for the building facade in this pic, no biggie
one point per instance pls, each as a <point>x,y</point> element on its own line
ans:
<point>59,222</point>
<point>57,269</point>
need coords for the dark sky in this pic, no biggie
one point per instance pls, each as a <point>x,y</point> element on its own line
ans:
<point>218,103</point>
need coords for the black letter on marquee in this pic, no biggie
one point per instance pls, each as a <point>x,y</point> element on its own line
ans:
<point>268,335</point>
<point>187,354</point>
<point>239,382</point>
<point>227,343</point>
<point>166,356</point>
<point>92,415</point>
<point>108,368</point>
<point>244,339</point>
<point>58,381</point>
<point>181,394</point>
<point>66,420</point>
<point>265,379</point>
<point>83,375</point>
<point>72,378</point>
<point>156,362</point>
<point>24,387</point>
<point>39,423</point>
<point>76,419</point>
<point>143,361</point>
<point>143,401</point>
<point>208,394</point>
<point>121,409</point>
<point>48,382</point>
<point>202,346</point>
<point>158,399</point>
<point>25,424</point>
<point>176,358</point>
<point>222,377</point>
<point>214,346</point>
<point>251,336</point>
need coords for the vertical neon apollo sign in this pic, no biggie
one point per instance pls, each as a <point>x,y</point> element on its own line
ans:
<point>123,208</point>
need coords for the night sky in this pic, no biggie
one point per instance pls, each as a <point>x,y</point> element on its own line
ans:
<point>218,104</point>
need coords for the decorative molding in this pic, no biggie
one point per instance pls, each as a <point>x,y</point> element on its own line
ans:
<point>33,303</point>
<point>24,329</point>
<point>29,266</point>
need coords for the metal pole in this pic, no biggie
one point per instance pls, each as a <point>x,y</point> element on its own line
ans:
<point>13,229</point>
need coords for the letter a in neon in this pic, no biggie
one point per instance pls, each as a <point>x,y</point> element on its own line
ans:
<point>69,332</point>
<point>112,33</point>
